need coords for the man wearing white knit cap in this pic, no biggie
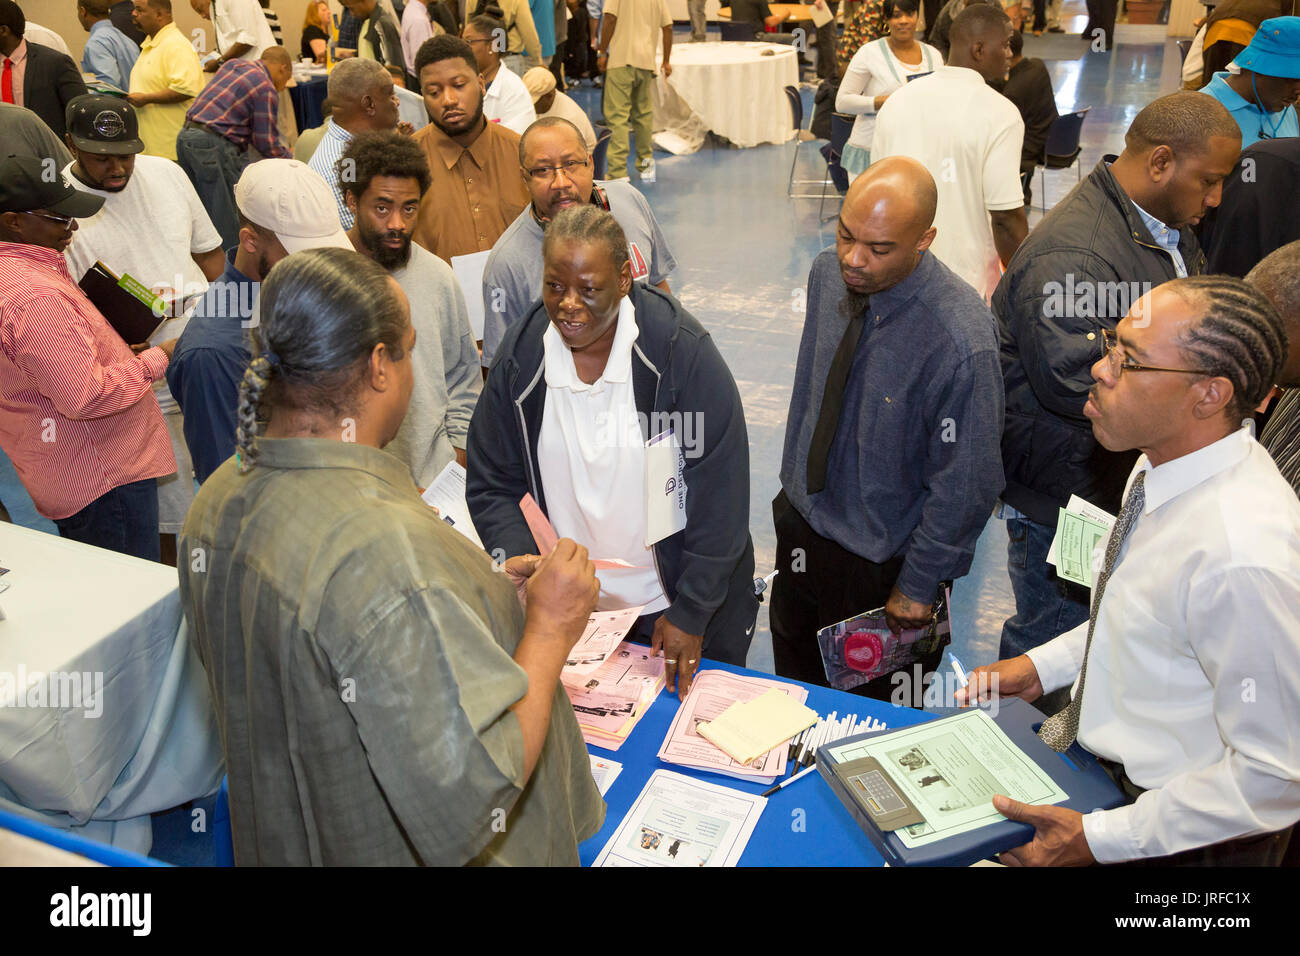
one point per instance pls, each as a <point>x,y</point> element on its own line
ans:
<point>548,101</point>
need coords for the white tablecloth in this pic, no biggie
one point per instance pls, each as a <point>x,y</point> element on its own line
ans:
<point>136,732</point>
<point>735,90</point>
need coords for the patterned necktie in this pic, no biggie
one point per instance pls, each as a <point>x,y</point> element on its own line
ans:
<point>1059,730</point>
<point>7,83</point>
<point>828,419</point>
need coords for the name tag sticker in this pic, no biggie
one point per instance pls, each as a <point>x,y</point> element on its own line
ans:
<point>665,483</point>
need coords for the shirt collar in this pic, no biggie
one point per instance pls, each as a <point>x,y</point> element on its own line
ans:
<point>1225,94</point>
<point>561,372</point>
<point>25,250</point>
<point>963,73</point>
<point>895,297</point>
<point>151,42</point>
<point>1168,481</point>
<point>19,54</point>
<point>1165,237</point>
<point>336,131</point>
<point>295,453</point>
<point>95,27</point>
<point>450,151</point>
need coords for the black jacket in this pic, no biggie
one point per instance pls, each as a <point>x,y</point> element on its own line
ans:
<point>50,82</point>
<point>1078,272</point>
<point>707,570</point>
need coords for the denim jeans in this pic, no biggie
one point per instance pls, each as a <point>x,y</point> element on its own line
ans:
<point>124,520</point>
<point>214,165</point>
<point>1046,606</point>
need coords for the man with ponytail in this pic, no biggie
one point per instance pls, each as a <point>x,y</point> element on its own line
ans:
<point>384,696</point>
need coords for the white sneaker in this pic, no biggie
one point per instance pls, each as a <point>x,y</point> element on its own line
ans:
<point>647,171</point>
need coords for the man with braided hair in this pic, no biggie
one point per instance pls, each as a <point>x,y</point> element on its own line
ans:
<point>1187,676</point>
<point>1278,276</point>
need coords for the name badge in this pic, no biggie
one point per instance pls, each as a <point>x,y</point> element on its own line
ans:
<point>665,484</point>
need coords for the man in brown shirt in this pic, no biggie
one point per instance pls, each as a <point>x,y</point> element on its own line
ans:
<point>478,188</point>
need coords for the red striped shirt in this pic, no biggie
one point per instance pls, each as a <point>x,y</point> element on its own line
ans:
<point>78,417</point>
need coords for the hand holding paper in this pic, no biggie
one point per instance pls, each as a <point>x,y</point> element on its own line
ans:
<point>546,538</point>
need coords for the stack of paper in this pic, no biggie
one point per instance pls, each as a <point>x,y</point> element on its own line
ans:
<point>748,729</point>
<point>605,630</point>
<point>712,692</point>
<point>611,699</point>
<point>1078,550</point>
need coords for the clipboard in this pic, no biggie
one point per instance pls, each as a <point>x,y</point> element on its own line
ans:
<point>1077,772</point>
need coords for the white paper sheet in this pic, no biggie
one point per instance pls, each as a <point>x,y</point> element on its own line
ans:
<point>469,273</point>
<point>447,494</point>
<point>604,771</point>
<point>677,821</point>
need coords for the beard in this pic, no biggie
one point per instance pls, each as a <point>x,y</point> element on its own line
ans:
<point>465,127</point>
<point>853,304</point>
<point>385,255</point>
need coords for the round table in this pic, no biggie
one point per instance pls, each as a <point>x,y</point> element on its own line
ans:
<point>736,90</point>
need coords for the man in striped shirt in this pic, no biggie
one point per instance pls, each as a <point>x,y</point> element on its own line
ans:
<point>78,417</point>
<point>1278,276</point>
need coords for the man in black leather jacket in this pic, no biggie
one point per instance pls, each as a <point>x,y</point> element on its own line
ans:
<point>1118,234</point>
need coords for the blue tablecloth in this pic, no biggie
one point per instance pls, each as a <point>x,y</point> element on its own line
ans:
<point>307,97</point>
<point>803,825</point>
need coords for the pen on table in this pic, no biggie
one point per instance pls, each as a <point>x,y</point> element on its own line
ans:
<point>960,671</point>
<point>803,744</point>
<point>795,741</point>
<point>787,781</point>
<point>811,755</point>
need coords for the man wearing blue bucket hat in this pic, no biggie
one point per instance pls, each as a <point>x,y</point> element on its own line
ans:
<point>1261,85</point>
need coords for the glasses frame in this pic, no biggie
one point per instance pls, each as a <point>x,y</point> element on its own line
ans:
<point>1110,342</point>
<point>547,173</point>
<point>60,220</point>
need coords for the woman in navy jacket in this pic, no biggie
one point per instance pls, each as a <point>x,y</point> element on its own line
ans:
<point>677,376</point>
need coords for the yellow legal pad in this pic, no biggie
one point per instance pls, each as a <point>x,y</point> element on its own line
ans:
<point>745,730</point>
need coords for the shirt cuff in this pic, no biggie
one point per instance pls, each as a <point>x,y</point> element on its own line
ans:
<point>155,362</point>
<point>1109,835</point>
<point>1058,661</point>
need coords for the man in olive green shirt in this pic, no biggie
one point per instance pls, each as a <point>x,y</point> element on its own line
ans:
<point>360,653</point>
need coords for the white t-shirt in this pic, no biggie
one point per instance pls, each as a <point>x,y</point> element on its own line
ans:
<point>565,108</point>
<point>148,230</point>
<point>508,102</point>
<point>592,462</point>
<point>241,21</point>
<point>969,137</point>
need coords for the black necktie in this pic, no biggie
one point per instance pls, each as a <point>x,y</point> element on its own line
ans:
<point>832,401</point>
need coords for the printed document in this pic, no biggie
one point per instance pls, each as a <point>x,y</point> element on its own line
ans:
<point>447,494</point>
<point>678,821</point>
<point>950,769</point>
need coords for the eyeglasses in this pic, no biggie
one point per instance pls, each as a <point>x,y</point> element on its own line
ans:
<point>1118,364</point>
<point>61,220</point>
<point>547,173</point>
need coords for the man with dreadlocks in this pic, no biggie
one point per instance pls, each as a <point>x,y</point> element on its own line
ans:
<point>1185,677</point>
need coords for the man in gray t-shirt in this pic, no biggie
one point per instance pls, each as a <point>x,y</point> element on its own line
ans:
<point>557,169</point>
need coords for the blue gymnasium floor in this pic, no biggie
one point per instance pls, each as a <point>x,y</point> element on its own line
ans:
<point>743,252</point>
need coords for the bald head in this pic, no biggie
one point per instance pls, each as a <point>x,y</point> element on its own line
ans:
<point>886,224</point>
<point>903,187</point>
<point>279,64</point>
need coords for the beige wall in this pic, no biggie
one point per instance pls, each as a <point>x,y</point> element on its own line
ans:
<point>61,17</point>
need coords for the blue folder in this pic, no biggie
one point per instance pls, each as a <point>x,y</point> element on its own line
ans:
<point>1077,772</point>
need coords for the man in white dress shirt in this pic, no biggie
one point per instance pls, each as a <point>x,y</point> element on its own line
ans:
<point>969,137</point>
<point>507,101</point>
<point>241,30</point>
<point>1191,688</point>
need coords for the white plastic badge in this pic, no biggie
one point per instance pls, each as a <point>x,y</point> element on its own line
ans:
<point>665,485</point>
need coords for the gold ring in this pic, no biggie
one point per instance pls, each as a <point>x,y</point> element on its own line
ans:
<point>670,660</point>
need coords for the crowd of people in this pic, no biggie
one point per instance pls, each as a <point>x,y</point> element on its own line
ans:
<point>314,370</point>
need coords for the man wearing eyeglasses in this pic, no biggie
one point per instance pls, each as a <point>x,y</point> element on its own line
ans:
<point>1123,231</point>
<point>558,172</point>
<point>1185,676</point>
<point>476,189</point>
<point>78,416</point>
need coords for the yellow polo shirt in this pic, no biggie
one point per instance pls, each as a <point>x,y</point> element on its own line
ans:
<point>166,62</point>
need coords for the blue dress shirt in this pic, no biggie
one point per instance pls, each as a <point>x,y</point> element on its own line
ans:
<point>109,55</point>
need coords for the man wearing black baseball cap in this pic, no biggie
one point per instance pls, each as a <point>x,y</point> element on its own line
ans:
<point>77,414</point>
<point>154,228</point>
